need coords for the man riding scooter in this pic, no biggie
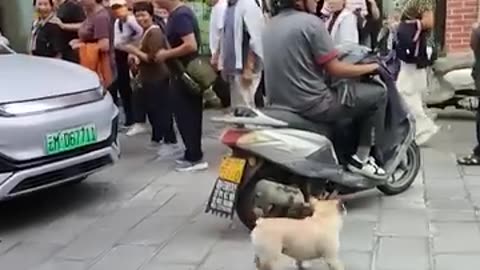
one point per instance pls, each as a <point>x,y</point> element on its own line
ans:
<point>298,55</point>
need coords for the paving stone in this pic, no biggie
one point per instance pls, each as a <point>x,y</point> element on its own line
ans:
<point>64,231</point>
<point>403,254</point>
<point>471,170</point>
<point>456,237</point>
<point>457,261</point>
<point>27,255</point>
<point>193,242</point>
<point>182,204</point>
<point>6,245</point>
<point>230,255</point>
<point>449,170</point>
<point>62,265</point>
<point>446,191</point>
<point>125,218</point>
<point>413,198</point>
<point>125,258</point>
<point>451,215</point>
<point>159,266</point>
<point>91,244</point>
<point>471,181</point>
<point>154,231</point>
<point>357,235</point>
<point>404,222</point>
<point>356,260</point>
<point>446,204</point>
<point>364,207</point>
<point>153,196</point>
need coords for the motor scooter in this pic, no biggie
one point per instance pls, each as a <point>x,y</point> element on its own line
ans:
<point>279,159</point>
<point>450,84</point>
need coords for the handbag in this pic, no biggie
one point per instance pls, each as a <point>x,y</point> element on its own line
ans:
<point>198,75</point>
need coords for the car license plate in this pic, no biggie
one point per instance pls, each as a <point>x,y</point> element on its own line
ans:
<point>70,139</point>
<point>231,169</point>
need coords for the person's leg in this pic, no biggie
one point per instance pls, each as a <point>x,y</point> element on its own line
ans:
<point>113,90</point>
<point>150,90</point>
<point>236,97</point>
<point>139,113</point>
<point>123,85</point>
<point>474,158</point>
<point>260,93</point>
<point>411,84</point>
<point>369,110</point>
<point>166,111</point>
<point>170,148</point>
<point>188,115</point>
<point>222,90</point>
<point>251,90</point>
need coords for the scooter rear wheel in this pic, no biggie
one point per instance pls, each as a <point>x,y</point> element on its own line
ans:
<point>410,171</point>
<point>245,204</point>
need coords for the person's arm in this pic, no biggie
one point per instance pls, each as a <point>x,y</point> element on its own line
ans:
<point>348,30</point>
<point>101,32</point>
<point>374,10</point>
<point>254,23</point>
<point>428,16</point>
<point>136,28</point>
<point>326,55</point>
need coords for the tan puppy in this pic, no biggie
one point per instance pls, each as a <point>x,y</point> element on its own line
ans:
<point>301,239</point>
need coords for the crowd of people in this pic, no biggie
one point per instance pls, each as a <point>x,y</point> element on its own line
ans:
<point>142,43</point>
<point>133,45</point>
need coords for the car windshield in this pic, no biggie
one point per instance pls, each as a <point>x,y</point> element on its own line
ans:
<point>4,49</point>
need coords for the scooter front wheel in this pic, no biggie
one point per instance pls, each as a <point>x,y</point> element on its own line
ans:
<point>408,173</point>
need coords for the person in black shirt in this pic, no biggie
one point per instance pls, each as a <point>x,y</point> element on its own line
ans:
<point>474,158</point>
<point>69,12</point>
<point>183,35</point>
<point>45,39</point>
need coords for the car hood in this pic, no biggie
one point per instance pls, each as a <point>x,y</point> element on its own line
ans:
<point>25,77</point>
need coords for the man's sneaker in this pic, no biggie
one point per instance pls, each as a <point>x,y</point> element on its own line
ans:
<point>181,161</point>
<point>137,129</point>
<point>192,166</point>
<point>169,151</point>
<point>153,145</point>
<point>368,168</point>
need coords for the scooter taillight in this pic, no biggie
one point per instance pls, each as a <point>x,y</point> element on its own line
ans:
<point>231,136</point>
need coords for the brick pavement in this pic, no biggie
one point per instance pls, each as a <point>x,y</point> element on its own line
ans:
<point>140,215</point>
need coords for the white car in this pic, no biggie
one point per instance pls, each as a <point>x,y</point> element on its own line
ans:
<point>58,126</point>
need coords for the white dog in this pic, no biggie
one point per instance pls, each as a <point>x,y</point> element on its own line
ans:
<point>301,239</point>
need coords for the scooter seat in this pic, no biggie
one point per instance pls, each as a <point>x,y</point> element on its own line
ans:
<point>297,122</point>
<point>449,63</point>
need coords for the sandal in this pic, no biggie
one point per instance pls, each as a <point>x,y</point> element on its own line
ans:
<point>471,160</point>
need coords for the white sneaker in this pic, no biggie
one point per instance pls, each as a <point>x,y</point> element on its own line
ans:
<point>192,166</point>
<point>368,168</point>
<point>424,137</point>
<point>137,129</point>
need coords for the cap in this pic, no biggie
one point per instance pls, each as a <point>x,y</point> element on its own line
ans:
<point>118,3</point>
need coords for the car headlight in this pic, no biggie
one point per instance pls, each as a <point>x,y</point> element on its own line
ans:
<point>50,103</point>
